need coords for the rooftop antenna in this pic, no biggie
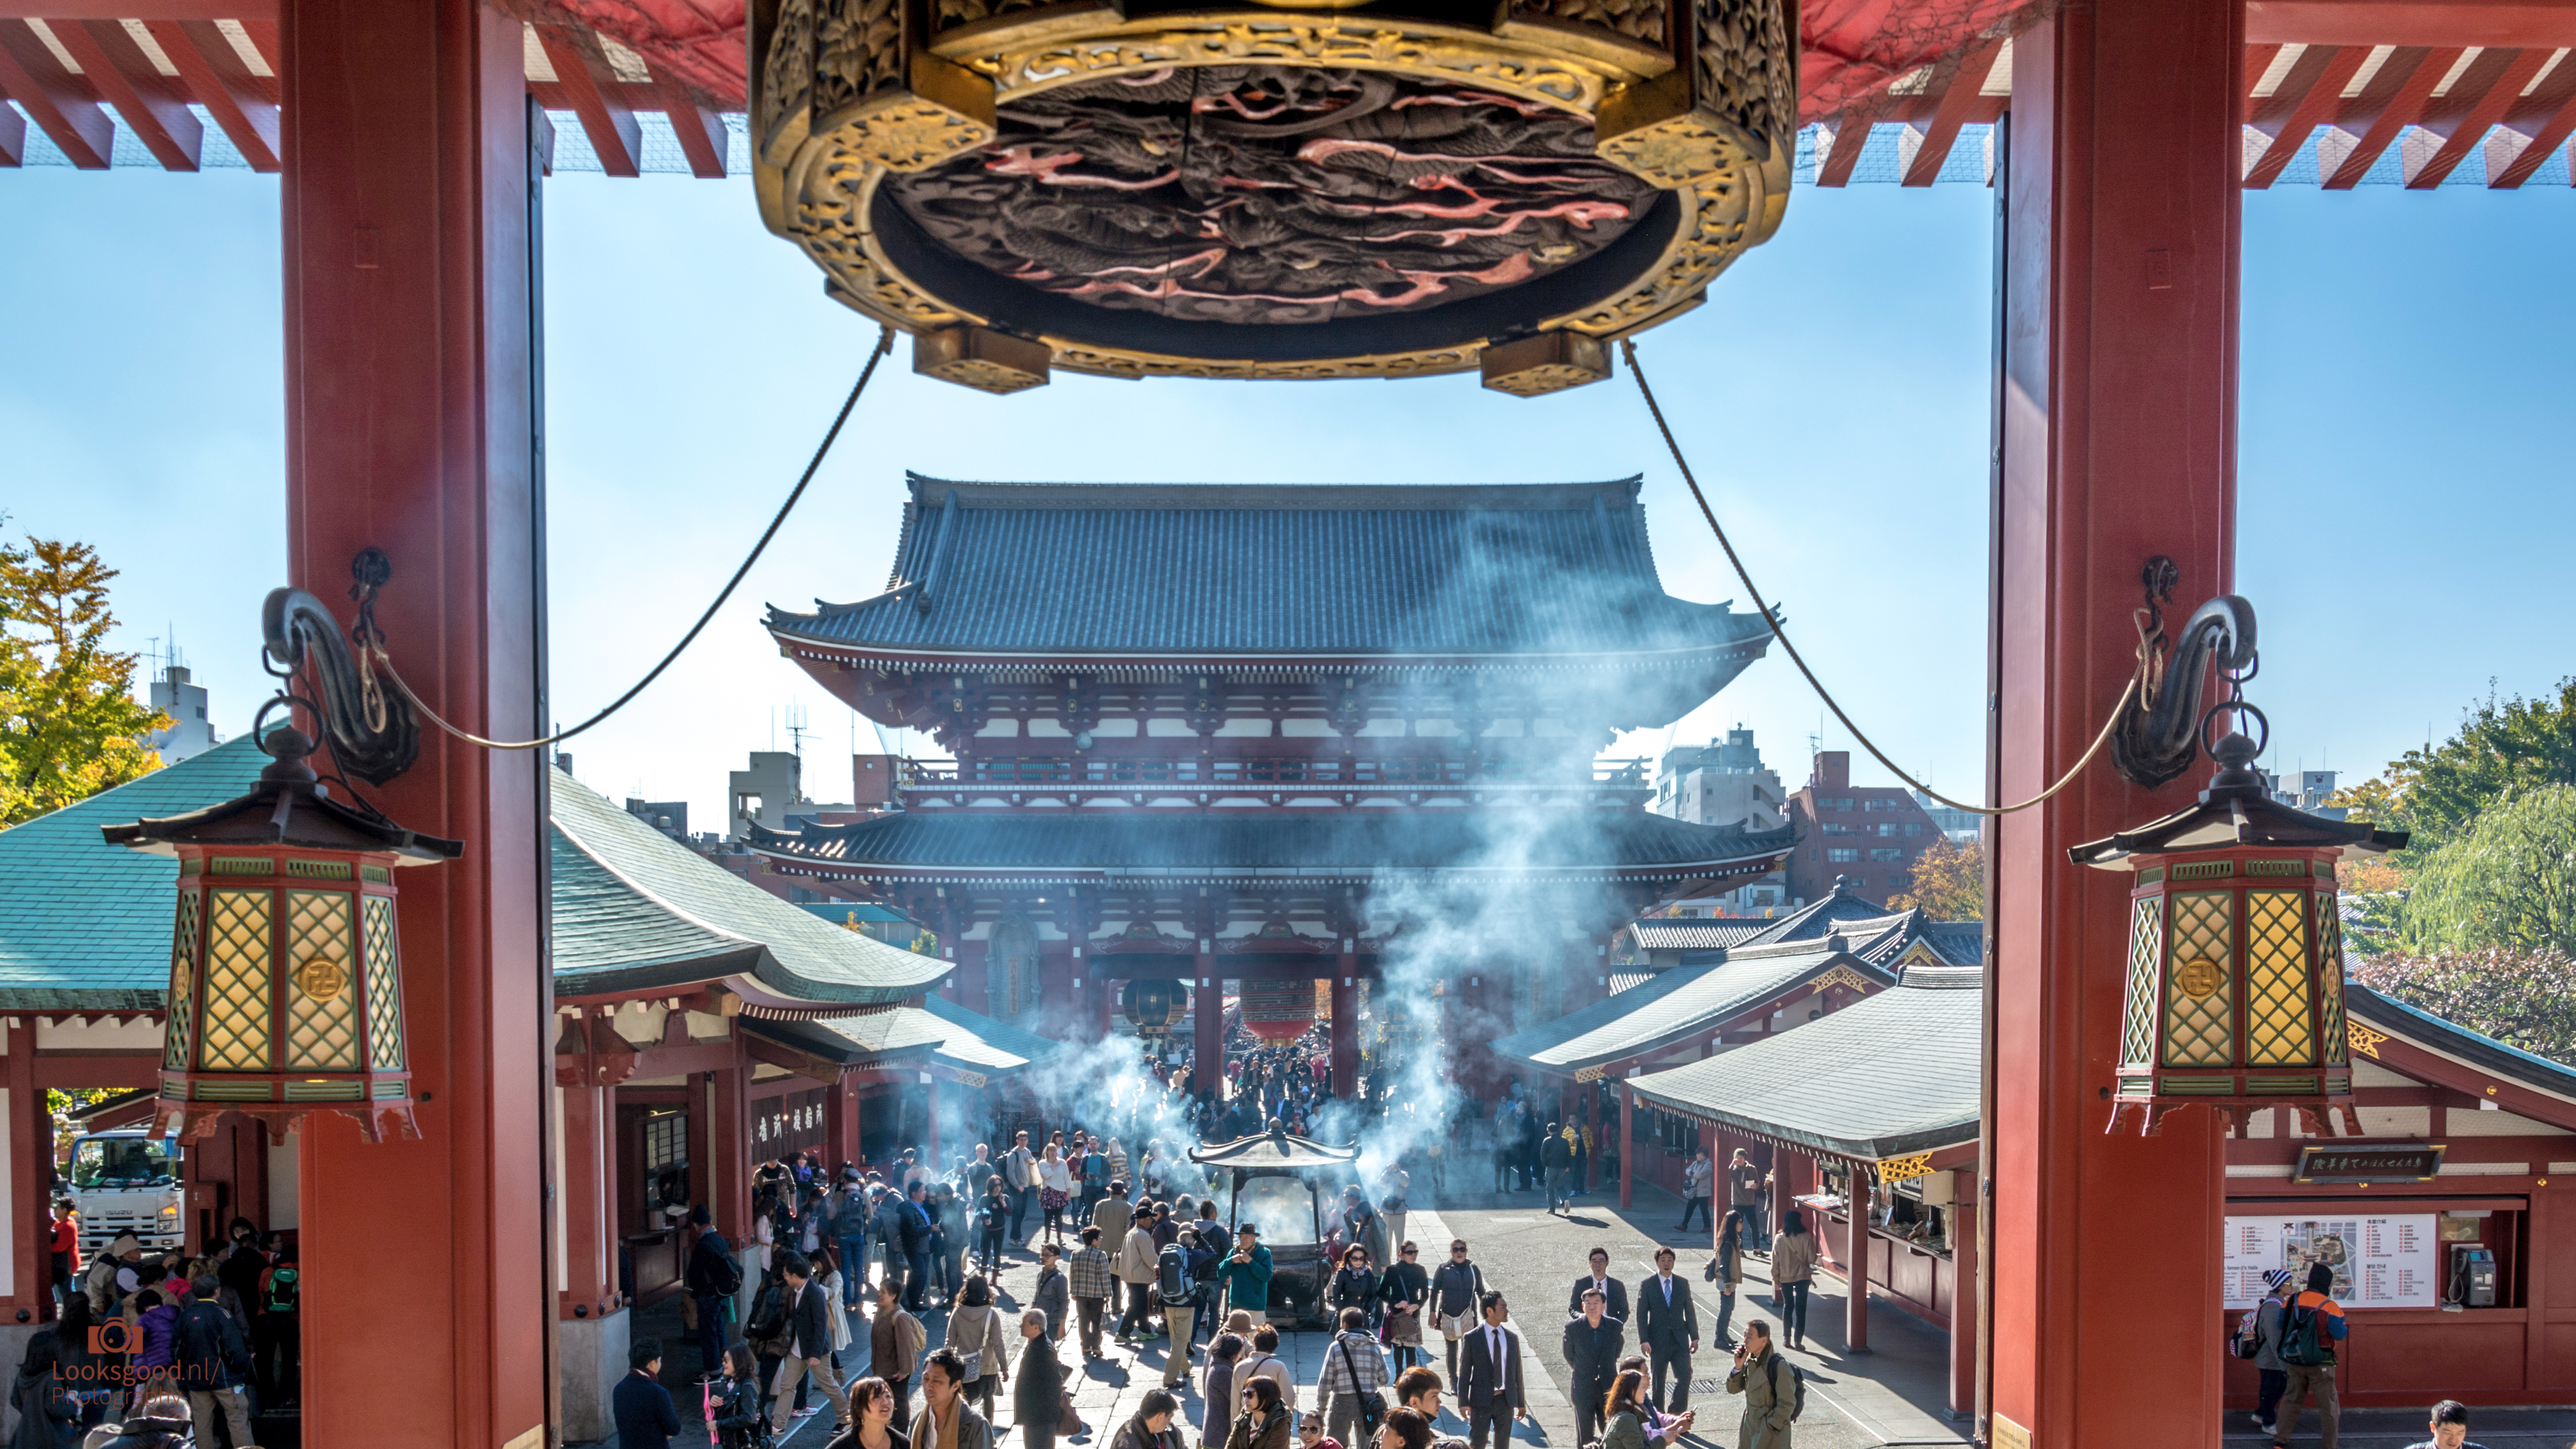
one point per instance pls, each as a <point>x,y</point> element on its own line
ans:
<point>796,730</point>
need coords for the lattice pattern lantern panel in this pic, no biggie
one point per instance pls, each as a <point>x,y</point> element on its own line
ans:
<point>2234,969</point>
<point>285,967</point>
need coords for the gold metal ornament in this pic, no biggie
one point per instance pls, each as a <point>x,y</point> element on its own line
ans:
<point>852,96</point>
<point>321,978</point>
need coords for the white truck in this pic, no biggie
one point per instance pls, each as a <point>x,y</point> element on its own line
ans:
<point>128,1182</point>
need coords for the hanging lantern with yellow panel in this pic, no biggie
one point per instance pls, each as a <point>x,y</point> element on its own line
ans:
<point>2235,967</point>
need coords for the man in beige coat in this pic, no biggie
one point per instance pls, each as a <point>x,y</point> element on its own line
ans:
<point>1135,1268</point>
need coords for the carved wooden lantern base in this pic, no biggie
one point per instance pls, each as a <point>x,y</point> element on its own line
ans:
<point>1307,190</point>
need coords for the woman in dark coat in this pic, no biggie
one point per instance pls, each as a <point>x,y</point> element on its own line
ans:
<point>1035,1401</point>
<point>1354,1285</point>
<point>47,1417</point>
<point>1265,1422</point>
<point>1405,1289</point>
<point>734,1402</point>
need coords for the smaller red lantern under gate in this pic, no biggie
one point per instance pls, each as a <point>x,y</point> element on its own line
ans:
<point>285,977</point>
<point>2235,973</point>
<point>1278,1010</point>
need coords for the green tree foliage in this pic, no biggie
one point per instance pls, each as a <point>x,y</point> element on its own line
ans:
<point>2501,749</point>
<point>2521,998</point>
<point>1949,883</point>
<point>69,726</point>
<point>2507,880</point>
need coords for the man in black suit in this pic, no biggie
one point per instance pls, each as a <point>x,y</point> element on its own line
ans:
<point>809,1348</point>
<point>1614,1294</point>
<point>1593,1344</point>
<point>1668,1327</point>
<point>1490,1387</point>
<point>639,1404</point>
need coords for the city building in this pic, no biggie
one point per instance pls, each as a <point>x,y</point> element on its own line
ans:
<point>770,793</point>
<point>174,695</point>
<point>1865,836</point>
<point>1199,731</point>
<point>2306,790</point>
<point>671,817</point>
<point>1964,827</point>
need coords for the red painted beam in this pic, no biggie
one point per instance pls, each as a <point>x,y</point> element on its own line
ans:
<point>13,138</point>
<point>2394,100</point>
<point>609,123</point>
<point>1840,159</point>
<point>1958,99</point>
<point>2478,100</point>
<point>62,10</point>
<point>223,85</point>
<point>154,110</point>
<point>2520,24</point>
<point>2308,95</point>
<point>701,131</point>
<point>54,98</point>
<point>2541,121</point>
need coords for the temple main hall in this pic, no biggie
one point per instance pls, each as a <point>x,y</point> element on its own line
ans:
<point>1274,735</point>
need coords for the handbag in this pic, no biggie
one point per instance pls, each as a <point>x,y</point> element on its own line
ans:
<point>1067,1422</point>
<point>1372,1403</point>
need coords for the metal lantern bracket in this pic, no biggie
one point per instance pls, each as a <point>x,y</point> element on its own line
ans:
<point>373,735</point>
<point>2160,729</point>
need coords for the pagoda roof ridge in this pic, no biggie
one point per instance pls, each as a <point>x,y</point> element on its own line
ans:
<point>1077,493</point>
<point>1042,574</point>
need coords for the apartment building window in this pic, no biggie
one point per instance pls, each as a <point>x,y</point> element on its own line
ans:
<point>1842,854</point>
<point>1890,853</point>
<point>1914,827</point>
<point>1832,828</point>
<point>1887,827</point>
<point>1878,805</point>
<point>1843,803</point>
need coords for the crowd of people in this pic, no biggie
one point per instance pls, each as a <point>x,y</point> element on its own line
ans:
<point>158,1350</point>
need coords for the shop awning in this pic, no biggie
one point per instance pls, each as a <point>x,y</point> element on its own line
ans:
<point>1892,1074</point>
<point>1678,1003</point>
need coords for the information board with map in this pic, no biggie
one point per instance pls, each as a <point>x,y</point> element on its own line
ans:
<point>2388,1261</point>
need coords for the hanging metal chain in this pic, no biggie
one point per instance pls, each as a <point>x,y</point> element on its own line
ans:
<point>2128,692</point>
<point>370,637</point>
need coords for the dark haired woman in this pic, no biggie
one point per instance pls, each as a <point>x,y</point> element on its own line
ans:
<point>872,1418</point>
<point>1354,1285</point>
<point>733,1408</point>
<point>1793,1269</point>
<point>991,1214</point>
<point>47,1417</point>
<point>1264,1422</point>
<point>975,1332</point>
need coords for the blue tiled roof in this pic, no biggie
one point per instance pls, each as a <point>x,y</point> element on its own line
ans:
<point>634,908</point>
<point>85,925</point>
<point>943,1030</point>
<point>1348,842</point>
<point>1206,569</point>
<point>1892,1073</point>
<point>1673,1005</point>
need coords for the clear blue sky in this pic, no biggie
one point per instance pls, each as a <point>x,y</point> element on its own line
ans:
<point>2405,475</point>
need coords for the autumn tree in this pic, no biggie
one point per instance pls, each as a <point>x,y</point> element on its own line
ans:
<point>2501,749</point>
<point>1949,882</point>
<point>69,726</point>
<point>2523,998</point>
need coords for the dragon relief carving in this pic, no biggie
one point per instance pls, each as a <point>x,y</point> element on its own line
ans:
<point>1635,19</point>
<point>858,52</point>
<point>1745,69</point>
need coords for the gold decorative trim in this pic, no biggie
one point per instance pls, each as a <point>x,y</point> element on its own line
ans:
<point>1590,1074</point>
<point>1905,1169</point>
<point>1842,976</point>
<point>2363,1039</point>
<point>839,107</point>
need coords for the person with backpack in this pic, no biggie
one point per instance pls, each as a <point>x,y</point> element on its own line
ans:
<point>845,1220</point>
<point>1176,1288</point>
<point>1774,1391</point>
<point>214,1364</point>
<point>2258,1337</point>
<point>712,1278</point>
<point>2311,1325</point>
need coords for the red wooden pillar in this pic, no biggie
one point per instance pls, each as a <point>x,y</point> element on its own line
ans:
<point>2118,443</point>
<point>588,1271</point>
<point>1856,1263</point>
<point>1207,1028</point>
<point>1627,1145</point>
<point>411,426</point>
<point>728,1174</point>
<point>27,1136</point>
<point>1963,1293</point>
<point>1345,1033</point>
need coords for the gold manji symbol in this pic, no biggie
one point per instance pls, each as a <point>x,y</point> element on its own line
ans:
<point>2199,977</point>
<point>321,978</point>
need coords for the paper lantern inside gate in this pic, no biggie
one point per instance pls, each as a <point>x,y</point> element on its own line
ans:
<point>1278,1010</point>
